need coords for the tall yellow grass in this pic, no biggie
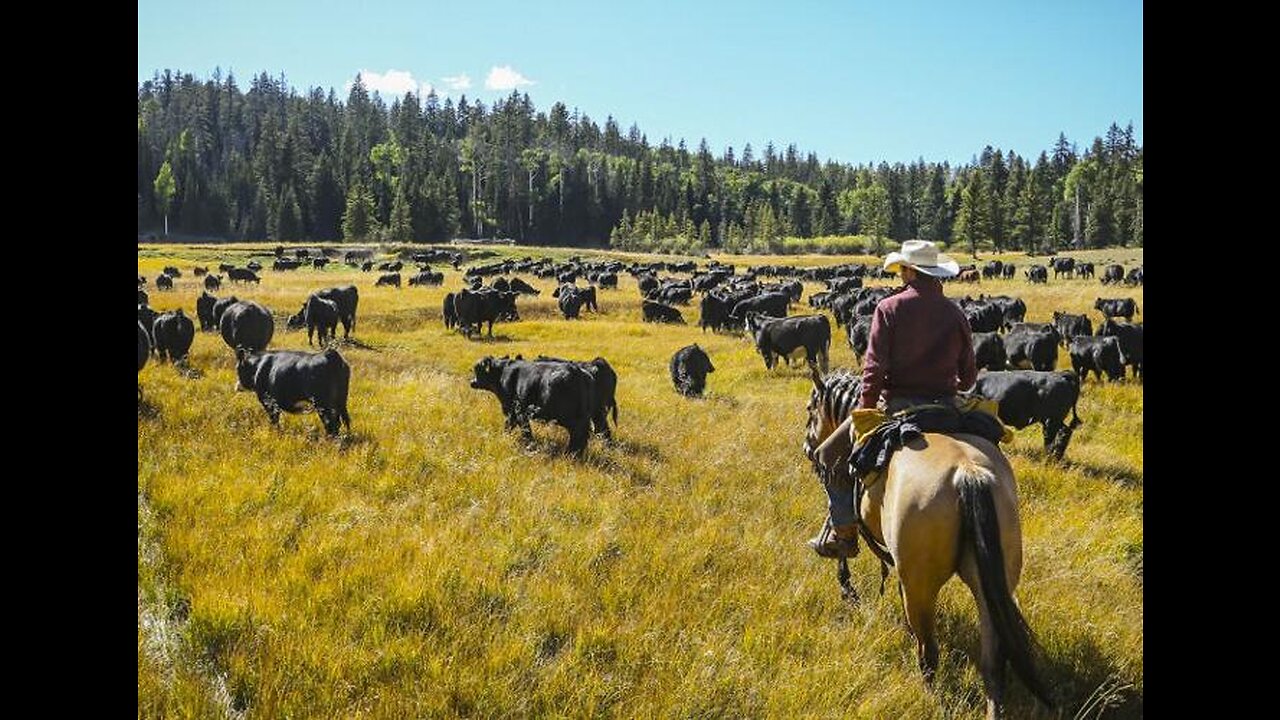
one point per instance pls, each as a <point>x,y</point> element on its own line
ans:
<point>430,565</point>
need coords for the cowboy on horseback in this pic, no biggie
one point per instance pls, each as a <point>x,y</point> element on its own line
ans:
<point>920,352</point>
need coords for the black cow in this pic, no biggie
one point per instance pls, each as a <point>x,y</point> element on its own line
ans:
<point>1070,326</point>
<point>557,392</point>
<point>782,336</point>
<point>1008,271</point>
<point>366,266</point>
<point>347,298</point>
<point>204,311</point>
<point>317,314</point>
<point>226,267</point>
<point>319,263</point>
<point>715,313</point>
<point>520,286</point>
<point>992,269</point>
<point>605,391</point>
<point>142,297</point>
<point>289,380</point>
<point>1116,307</point>
<point>172,271</point>
<point>607,280</point>
<point>859,332</point>
<point>284,264</point>
<point>689,368</point>
<point>1112,274</point>
<point>246,324</point>
<point>212,282</point>
<point>672,295</point>
<point>241,275</point>
<point>1134,277</point>
<point>1130,337</point>
<point>391,279</point>
<point>984,316</point>
<point>844,284</point>
<point>199,271</point>
<point>1014,309</point>
<point>501,284</point>
<point>589,299</point>
<point>771,304</point>
<point>988,351</point>
<point>254,265</point>
<point>1033,344</point>
<point>1084,270</point>
<point>147,317</point>
<point>570,301</point>
<point>1064,266</point>
<point>1099,354</point>
<point>220,306</point>
<point>474,308</point>
<point>1027,396</point>
<point>448,312</point>
<point>173,332</point>
<point>657,312</point>
<point>1037,274</point>
<point>164,282</point>
<point>142,281</point>
<point>427,277</point>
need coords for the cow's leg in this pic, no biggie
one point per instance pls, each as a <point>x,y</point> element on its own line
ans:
<point>269,404</point>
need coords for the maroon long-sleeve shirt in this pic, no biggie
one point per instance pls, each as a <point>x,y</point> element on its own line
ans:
<point>920,344</point>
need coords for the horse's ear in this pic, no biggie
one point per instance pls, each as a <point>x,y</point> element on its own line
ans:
<point>817,378</point>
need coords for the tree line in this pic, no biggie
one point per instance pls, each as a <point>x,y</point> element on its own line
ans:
<point>271,164</point>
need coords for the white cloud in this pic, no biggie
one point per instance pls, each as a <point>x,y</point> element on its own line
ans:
<point>457,82</point>
<point>393,83</point>
<point>504,78</point>
<point>425,89</point>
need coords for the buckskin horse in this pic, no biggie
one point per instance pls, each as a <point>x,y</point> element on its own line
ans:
<point>946,504</point>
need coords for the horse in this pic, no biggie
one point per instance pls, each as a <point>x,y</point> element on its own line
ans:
<point>946,504</point>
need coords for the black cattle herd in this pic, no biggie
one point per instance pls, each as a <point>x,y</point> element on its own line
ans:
<point>1017,357</point>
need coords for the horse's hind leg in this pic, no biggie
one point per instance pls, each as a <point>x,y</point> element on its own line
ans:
<point>920,602</point>
<point>992,663</point>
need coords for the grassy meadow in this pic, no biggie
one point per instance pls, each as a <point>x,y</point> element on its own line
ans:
<point>431,565</point>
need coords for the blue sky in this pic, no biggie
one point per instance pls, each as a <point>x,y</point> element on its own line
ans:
<point>850,81</point>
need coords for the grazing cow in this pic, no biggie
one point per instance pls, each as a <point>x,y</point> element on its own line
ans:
<point>1070,326</point>
<point>254,265</point>
<point>1099,354</point>
<point>1114,307</point>
<point>715,313</point>
<point>524,288</point>
<point>501,284</point>
<point>984,316</point>
<point>657,312</point>
<point>842,285</point>
<point>474,308</point>
<point>391,279</point>
<point>290,380</point>
<point>246,324</point>
<point>285,264</point>
<point>782,336</point>
<point>204,311</point>
<point>988,351</point>
<point>172,271</point>
<point>212,282</point>
<point>1084,270</point>
<point>173,332</point>
<point>1027,396</point>
<point>689,368</point>
<point>589,299</point>
<point>1009,271</point>
<point>1134,277</point>
<point>366,266</point>
<point>607,280</point>
<point>1032,345</point>
<point>645,283</point>
<point>199,271</point>
<point>1130,337</point>
<point>142,297</point>
<point>427,277</point>
<point>969,276</point>
<point>164,282</point>
<point>570,301</point>
<point>144,349</point>
<point>1112,274</point>
<point>347,298</point>
<point>604,395</point>
<point>319,263</point>
<point>317,314</point>
<point>672,295</point>
<point>301,253</point>
<point>771,304</point>
<point>241,275</point>
<point>448,312</point>
<point>225,267</point>
<point>992,269</point>
<point>1064,266</point>
<point>1037,274</point>
<point>859,336</point>
<point>557,392</point>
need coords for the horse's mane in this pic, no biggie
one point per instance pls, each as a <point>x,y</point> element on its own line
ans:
<point>835,399</point>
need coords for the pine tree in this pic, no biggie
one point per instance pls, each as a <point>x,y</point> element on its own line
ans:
<point>973,224</point>
<point>358,220</point>
<point>288,217</point>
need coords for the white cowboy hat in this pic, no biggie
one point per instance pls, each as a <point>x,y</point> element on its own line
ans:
<point>923,256</point>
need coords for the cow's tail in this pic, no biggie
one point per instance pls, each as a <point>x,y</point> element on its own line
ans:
<point>980,533</point>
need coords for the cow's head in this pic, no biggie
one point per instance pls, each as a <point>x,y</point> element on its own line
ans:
<point>246,367</point>
<point>300,319</point>
<point>488,375</point>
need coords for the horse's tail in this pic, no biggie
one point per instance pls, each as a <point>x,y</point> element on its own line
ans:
<point>980,530</point>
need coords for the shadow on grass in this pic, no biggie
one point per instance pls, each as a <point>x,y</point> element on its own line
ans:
<point>1081,677</point>
<point>1126,477</point>
<point>147,410</point>
<point>185,369</point>
<point>352,342</point>
<point>499,338</point>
